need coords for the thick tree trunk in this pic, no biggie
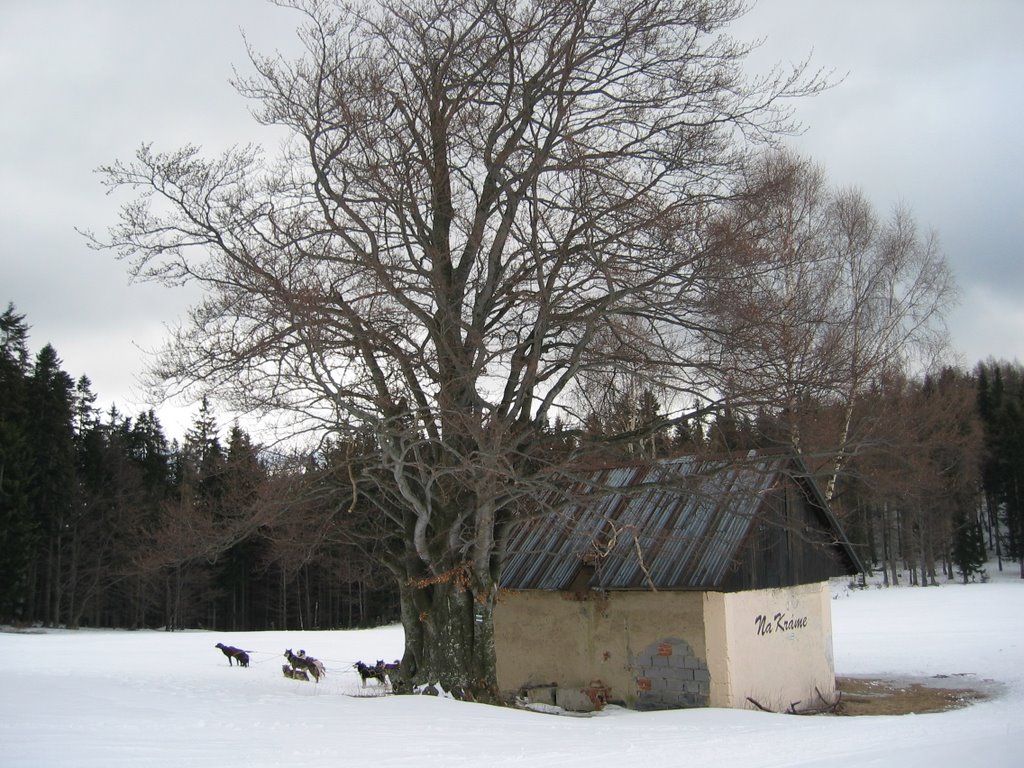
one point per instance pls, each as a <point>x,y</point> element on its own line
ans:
<point>449,639</point>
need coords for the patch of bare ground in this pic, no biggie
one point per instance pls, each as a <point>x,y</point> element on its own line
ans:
<point>868,696</point>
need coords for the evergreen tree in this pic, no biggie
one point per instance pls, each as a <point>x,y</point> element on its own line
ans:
<point>150,451</point>
<point>16,528</point>
<point>89,510</point>
<point>968,552</point>
<point>204,458</point>
<point>51,404</point>
<point>243,478</point>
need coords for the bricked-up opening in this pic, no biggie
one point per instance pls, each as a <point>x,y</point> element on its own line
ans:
<point>670,675</point>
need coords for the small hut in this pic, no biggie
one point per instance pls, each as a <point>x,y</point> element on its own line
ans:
<point>681,583</point>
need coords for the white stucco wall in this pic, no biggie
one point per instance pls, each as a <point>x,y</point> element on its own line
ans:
<point>771,645</point>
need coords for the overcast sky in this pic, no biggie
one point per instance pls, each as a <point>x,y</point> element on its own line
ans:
<point>929,114</point>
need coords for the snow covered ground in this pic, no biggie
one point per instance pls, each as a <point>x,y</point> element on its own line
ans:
<point>109,698</point>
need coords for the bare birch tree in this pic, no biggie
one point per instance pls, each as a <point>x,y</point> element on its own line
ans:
<point>476,197</point>
<point>825,299</point>
<point>780,290</point>
<point>897,286</point>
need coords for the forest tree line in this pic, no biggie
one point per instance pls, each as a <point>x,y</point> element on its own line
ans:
<point>104,522</point>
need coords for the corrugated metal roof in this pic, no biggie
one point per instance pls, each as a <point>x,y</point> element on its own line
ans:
<point>672,524</point>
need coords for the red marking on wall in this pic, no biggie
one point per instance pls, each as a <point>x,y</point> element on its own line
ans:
<point>598,693</point>
<point>664,649</point>
<point>643,683</point>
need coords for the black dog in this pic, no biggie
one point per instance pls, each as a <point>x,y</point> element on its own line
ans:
<point>301,661</point>
<point>376,672</point>
<point>234,653</point>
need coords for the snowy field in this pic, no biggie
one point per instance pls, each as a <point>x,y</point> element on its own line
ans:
<point>109,698</point>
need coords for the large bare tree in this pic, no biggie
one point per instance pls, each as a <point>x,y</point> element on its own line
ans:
<point>480,200</point>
